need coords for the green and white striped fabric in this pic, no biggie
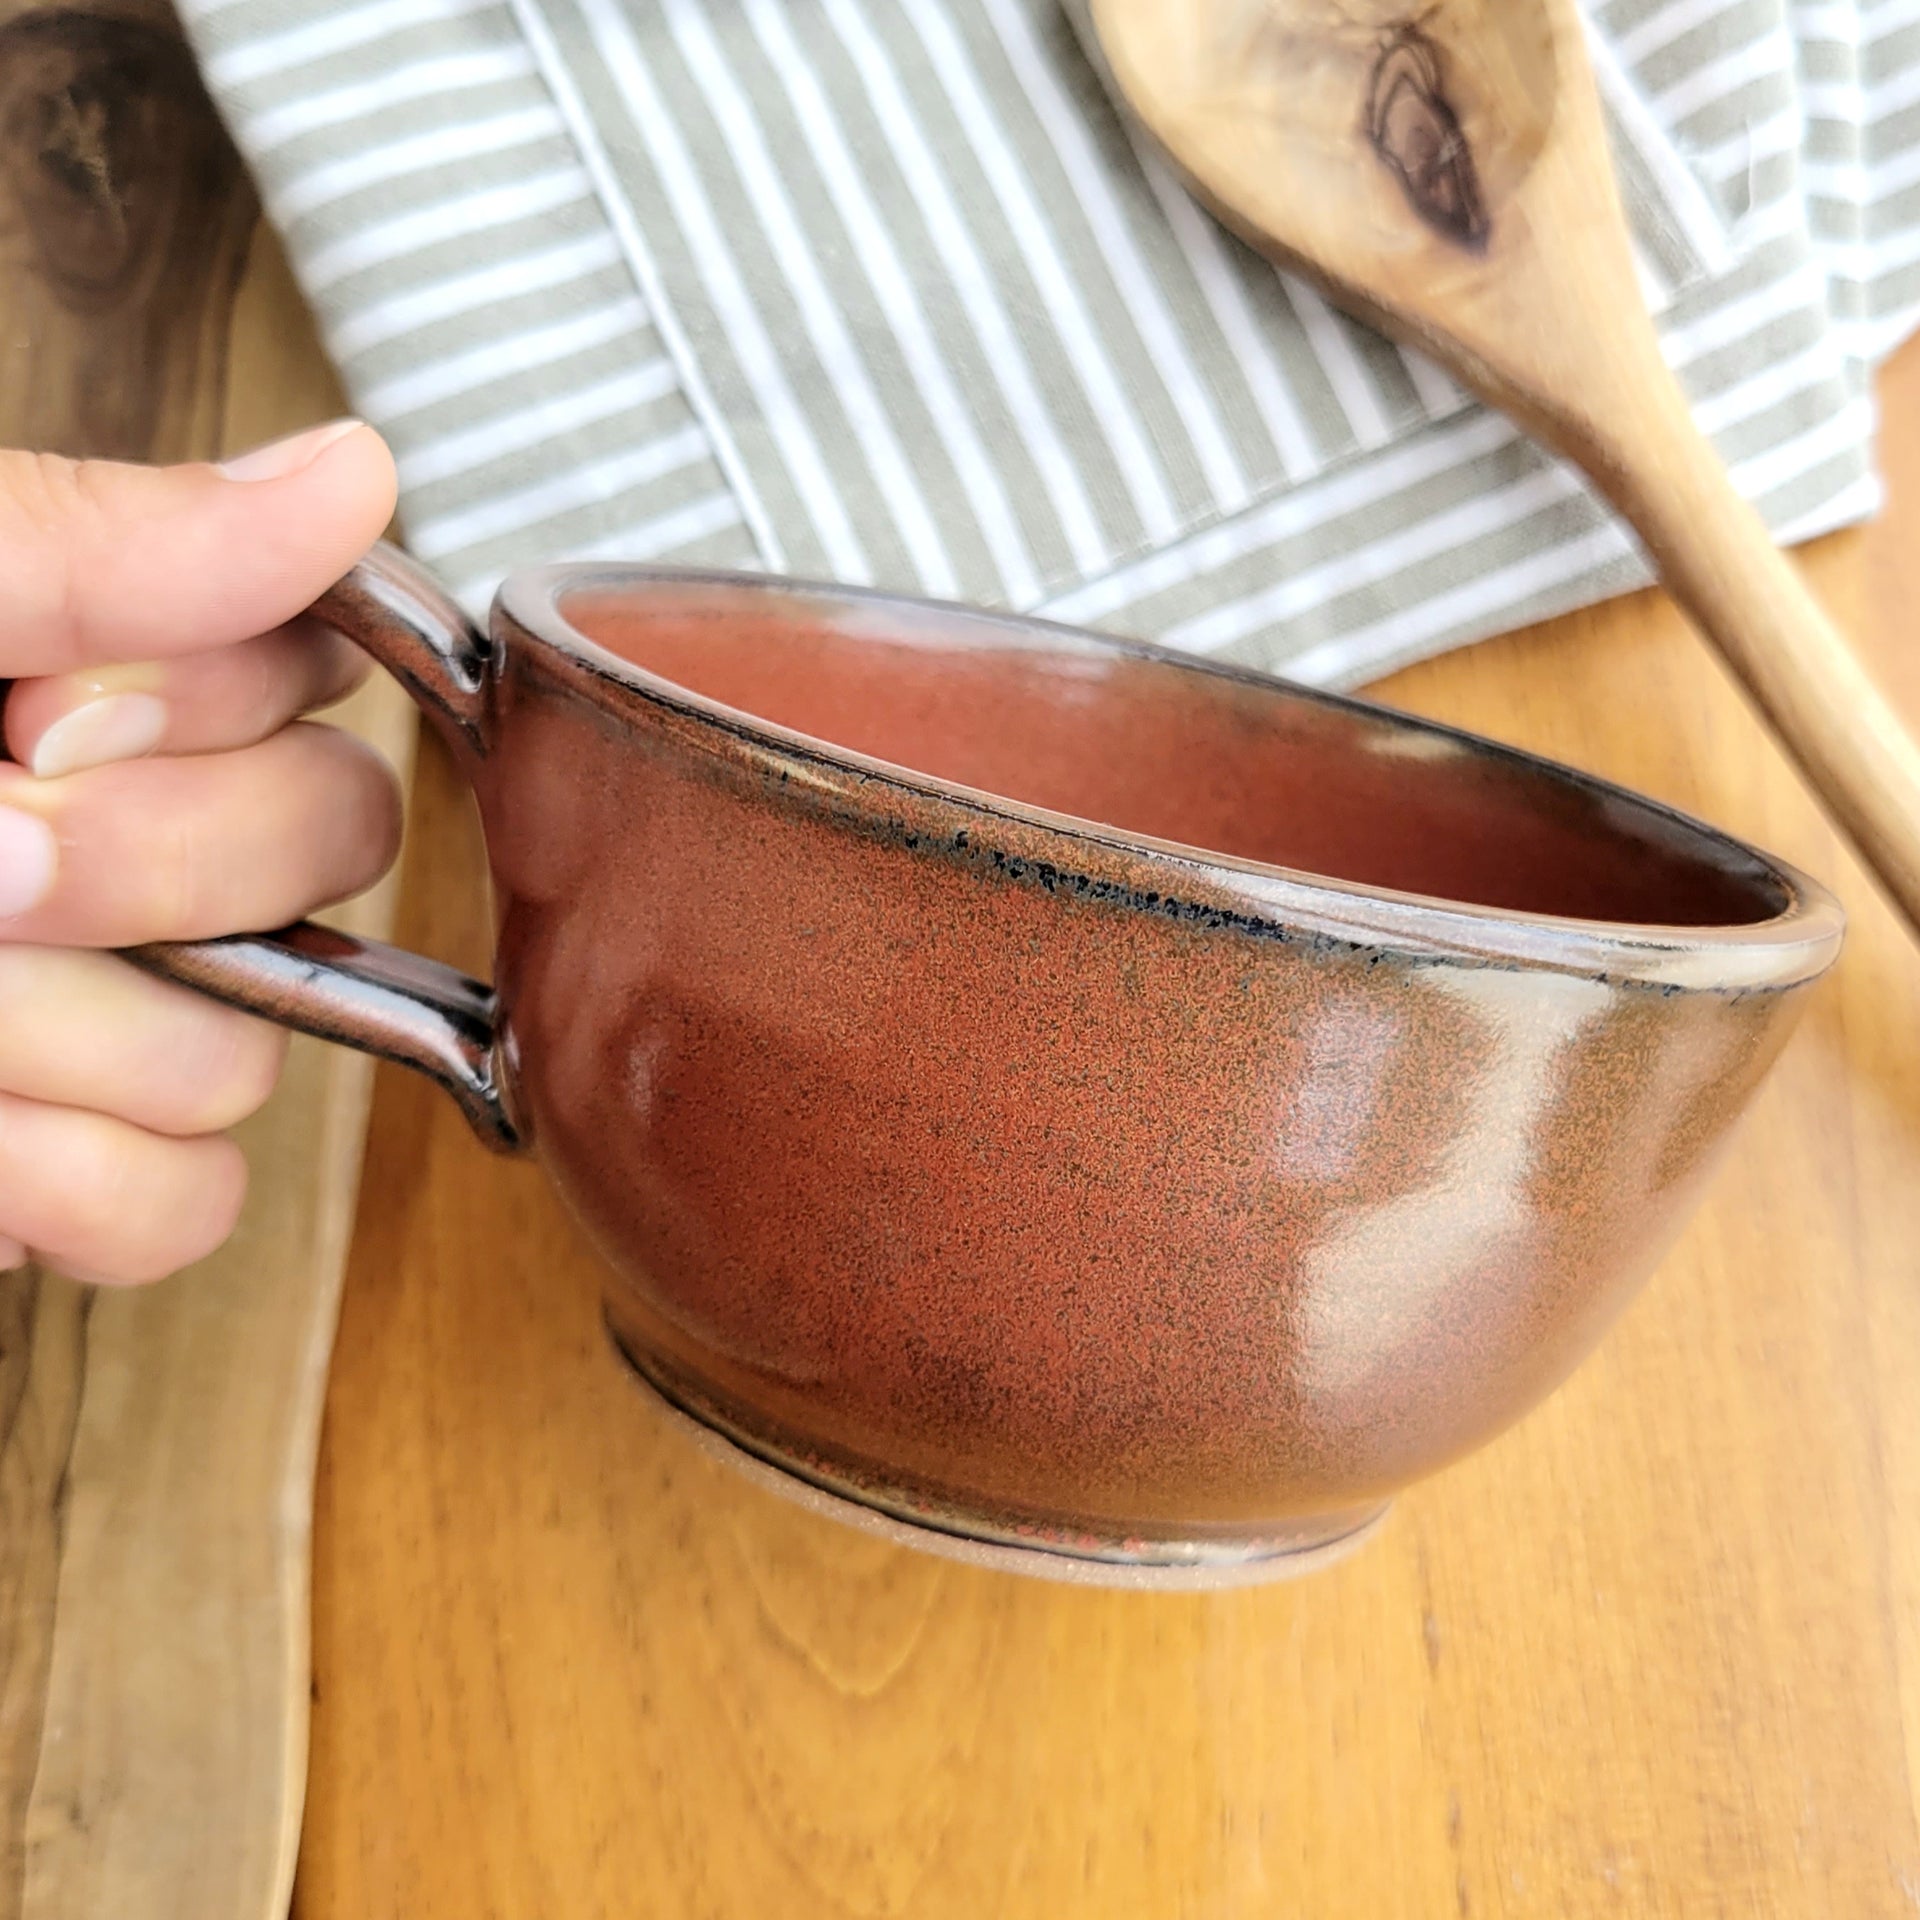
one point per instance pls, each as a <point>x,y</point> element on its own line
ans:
<point>882,290</point>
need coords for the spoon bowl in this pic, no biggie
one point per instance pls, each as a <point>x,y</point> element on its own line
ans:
<point>1442,173</point>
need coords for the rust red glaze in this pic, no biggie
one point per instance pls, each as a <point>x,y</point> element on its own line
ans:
<point>1025,1179</point>
<point>1013,1165</point>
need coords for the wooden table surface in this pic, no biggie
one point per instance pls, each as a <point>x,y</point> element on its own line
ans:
<point>1657,1651</point>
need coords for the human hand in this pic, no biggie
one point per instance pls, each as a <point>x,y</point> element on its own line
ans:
<point>165,790</point>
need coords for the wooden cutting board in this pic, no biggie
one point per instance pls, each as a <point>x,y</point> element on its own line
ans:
<point>157,1446</point>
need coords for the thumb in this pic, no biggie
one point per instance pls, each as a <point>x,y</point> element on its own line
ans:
<point>102,562</point>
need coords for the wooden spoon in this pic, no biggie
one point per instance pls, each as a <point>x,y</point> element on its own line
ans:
<point>1441,171</point>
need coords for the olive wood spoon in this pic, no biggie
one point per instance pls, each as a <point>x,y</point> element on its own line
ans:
<point>1442,172</point>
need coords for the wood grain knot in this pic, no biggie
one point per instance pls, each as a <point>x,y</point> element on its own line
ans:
<point>106,146</point>
<point>1414,129</point>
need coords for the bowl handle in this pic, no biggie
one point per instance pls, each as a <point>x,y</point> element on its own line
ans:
<point>364,993</point>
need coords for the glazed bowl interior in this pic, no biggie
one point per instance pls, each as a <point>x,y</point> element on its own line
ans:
<point>1221,761</point>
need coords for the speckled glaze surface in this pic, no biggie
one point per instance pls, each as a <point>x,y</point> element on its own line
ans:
<point>1079,1101</point>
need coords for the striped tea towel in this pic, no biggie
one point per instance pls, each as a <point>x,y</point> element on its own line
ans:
<point>883,290</point>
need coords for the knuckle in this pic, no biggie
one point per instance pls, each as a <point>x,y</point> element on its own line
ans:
<point>243,1068</point>
<point>105,1174</point>
<point>63,507</point>
<point>47,490</point>
<point>164,901</point>
<point>260,672</point>
<point>366,804</point>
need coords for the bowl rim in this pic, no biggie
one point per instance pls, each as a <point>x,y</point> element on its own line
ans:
<point>1795,944</point>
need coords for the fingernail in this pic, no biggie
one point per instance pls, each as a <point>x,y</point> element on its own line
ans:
<point>278,458</point>
<point>29,858</point>
<point>13,1255</point>
<point>120,726</point>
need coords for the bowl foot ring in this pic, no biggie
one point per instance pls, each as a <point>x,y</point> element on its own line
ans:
<point>1158,1566</point>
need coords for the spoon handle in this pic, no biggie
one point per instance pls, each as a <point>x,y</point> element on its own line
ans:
<point>1719,561</point>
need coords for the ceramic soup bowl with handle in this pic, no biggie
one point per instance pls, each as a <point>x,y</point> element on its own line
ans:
<point>1115,1114</point>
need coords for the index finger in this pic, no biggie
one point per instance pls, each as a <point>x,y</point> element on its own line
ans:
<point>105,562</point>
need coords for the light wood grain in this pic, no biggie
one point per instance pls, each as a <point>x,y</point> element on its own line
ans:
<point>156,1447</point>
<point>1446,176</point>
<point>1656,1652</point>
